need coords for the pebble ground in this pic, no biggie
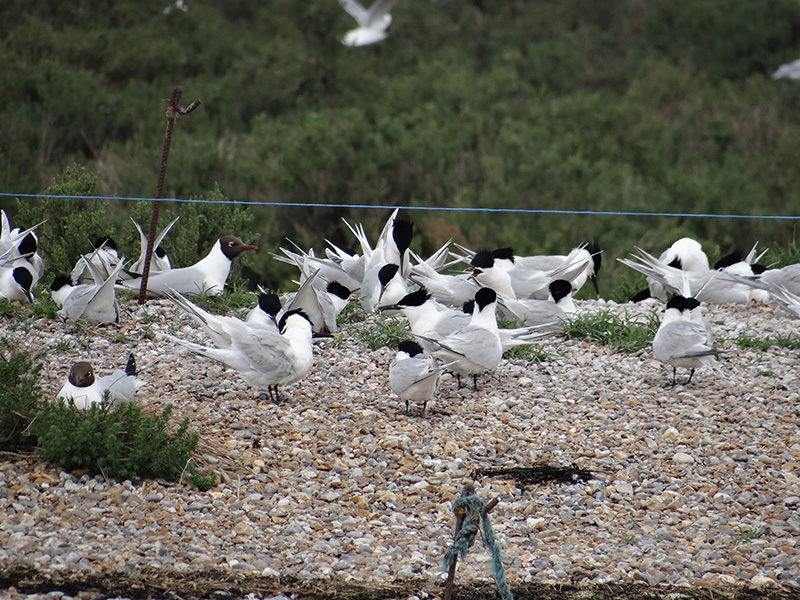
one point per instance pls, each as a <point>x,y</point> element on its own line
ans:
<point>693,484</point>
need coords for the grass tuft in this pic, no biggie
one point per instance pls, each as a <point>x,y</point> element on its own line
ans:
<point>625,334</point>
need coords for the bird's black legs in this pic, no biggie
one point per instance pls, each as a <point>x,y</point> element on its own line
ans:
<point>691,374</point>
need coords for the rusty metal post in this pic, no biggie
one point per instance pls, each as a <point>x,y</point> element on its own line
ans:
<point>451,572</point>
<point>172,114</point>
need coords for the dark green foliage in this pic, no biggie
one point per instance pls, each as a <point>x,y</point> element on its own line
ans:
<point>116,441</point>
<point>20,394</point>
<point>663,106</point>
<point>72,225</point>
<point>625,334</point>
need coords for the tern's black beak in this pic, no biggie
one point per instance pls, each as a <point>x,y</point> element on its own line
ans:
<point>389,307</point>
<point>596,286</point>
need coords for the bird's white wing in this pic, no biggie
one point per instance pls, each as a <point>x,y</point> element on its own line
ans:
<point>355,10</point>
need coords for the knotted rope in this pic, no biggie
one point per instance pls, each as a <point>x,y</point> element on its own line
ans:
<point>476,514</point>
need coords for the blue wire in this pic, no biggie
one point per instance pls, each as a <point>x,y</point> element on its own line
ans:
<point>428,208</point>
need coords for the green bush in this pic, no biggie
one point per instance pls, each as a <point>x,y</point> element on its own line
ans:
<point>20,394</point>
<point>116,441</point>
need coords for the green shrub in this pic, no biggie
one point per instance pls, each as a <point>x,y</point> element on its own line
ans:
<point>117,441</point>
<point>20,393</point>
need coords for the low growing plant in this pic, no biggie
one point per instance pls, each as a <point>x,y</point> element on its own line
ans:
<point>20,394</point>
<point>117,441</point>
<point>528,352</point>
<point>625,334</point>
<point>388,332</point>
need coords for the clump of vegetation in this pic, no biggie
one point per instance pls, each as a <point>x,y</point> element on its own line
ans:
<point>20,394</point>
<point>791,342</point>
<point>384,332</point>
<point>625,334</point>
<point>528,352</point>
<point>117,441</point>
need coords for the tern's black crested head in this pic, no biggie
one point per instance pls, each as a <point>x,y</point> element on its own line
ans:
<point>678,302</point>
<point>387,272</point>
<point>105,241</point>
<point>728,260</point>
<point>402,233</point>
<point>286,315</point>
<point>676,263</point>
<point>506,253</point>
<point>160,252</point>
<point>27,245</point>
<point>692,303</point>
<point>417,298</point>
<point>232,246</point>
<point>409,347</point>
<point>758,268</point>
<point>60,281</point>
<point>130,367</point>
<point>337,289</point>
<point>483,259</point>
<point>468,307</point>
<point>270,303</point>
<point>560,288</point>
<point>484,297</point>
<point>641,295</point>
<point>81,374</point>
<point>24,278</point>
<point>597,255</point>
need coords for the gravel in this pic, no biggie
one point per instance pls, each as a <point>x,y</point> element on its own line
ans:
<point>694,485</point>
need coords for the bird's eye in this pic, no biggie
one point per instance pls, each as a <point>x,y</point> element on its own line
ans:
<point>230,244</point>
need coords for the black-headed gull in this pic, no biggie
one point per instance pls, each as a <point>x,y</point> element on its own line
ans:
<point>206,276</point>
<point>83,389</point>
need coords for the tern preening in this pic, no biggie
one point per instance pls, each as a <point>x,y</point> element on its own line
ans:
<point>475,348</point>
<point>413,375</point>
<point>264,357</point>
<point>372,22</point>
<point>681,342</point>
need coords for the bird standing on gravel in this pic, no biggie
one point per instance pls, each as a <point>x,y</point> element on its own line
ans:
<point>83,389</point>
<point>681,342</point>
<point>264,357</point>
<point>413,375</point>
<point>475,348</point>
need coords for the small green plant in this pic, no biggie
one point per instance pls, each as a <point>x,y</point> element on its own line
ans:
<point>352,313</point>
<point>7,308</point>
<point>765,373</point>
<point>234,298</point>
<point>745,341</point>
<point>119,338</point>
<point>745,535</point>
<point>528,352</point>
<point>627,287</point>
<point>62,346</point>
<point>20,394</point>
<point>116,440</point>
<point>790,342</point>
<point>388,332</point>
<point>625,334</point>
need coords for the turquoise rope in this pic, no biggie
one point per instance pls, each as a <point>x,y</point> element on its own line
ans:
<point>476,511</point>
